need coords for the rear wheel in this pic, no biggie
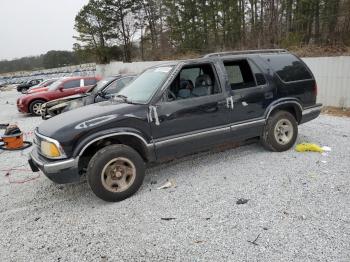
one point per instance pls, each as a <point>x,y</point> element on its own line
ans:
<point>35,107</point>
<point>115,172</point>
<point>280,132</point>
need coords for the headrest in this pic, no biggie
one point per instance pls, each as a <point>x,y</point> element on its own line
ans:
<point>203,80</point>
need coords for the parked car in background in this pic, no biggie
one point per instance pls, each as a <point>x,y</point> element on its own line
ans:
<point>43,86</point>
<point>31,103</point>
<point>177,109</point>
<point>23,88</point>
<point>102,91</point>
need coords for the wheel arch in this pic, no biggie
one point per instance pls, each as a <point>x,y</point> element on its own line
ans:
<point>292,106</point>
<point>134,140</point>
<point>36,99</point>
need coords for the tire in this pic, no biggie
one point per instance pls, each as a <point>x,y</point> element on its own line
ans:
<point>281,132</point>
<point>33,107</point>
<point>24,90</point>
<point>109,172</point>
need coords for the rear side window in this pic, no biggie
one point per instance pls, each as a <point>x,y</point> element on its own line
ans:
<point>259,76</point>
<point>239,74</point>
<point>71,84</point>
<point>90,82</point>
<point>288,67</point>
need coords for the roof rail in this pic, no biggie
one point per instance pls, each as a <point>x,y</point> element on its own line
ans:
<point>247,52</point>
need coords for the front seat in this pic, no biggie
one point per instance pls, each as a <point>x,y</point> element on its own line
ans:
<point>203,86</point>
<point>184,91</point>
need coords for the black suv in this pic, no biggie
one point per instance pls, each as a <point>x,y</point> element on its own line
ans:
<point>23,88</point>
<point>177,109</point>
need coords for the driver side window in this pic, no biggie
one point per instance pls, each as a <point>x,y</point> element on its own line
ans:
<point>117,85</point>
<point>193,81</point>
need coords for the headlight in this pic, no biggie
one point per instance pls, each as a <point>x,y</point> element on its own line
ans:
<point>49,149</point>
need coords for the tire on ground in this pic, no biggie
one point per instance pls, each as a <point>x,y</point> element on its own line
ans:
<point>268,138</point>
<point>32,106</point>
<point>101,159</point>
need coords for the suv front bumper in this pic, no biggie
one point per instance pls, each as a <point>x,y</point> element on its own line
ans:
<point>59,171</point>
<point>310,113</point>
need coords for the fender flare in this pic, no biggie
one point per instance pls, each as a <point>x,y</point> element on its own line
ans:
<point>283,102</point>
<point>87,141</point>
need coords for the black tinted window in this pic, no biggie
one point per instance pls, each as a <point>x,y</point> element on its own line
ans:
<point>71,84</point>
<point>259,76</point>
<point>90,82</point>
<point>288,67</point>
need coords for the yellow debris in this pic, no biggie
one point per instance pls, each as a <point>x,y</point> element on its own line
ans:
<point>308,147</point>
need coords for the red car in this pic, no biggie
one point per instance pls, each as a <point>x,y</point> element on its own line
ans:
<point>31,103</point>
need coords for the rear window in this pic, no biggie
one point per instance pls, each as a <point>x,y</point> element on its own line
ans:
<point>288,67</point>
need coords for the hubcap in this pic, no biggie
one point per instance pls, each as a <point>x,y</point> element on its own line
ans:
<point>118,174</point>
<point>37,108</point>
<point>283,131</point>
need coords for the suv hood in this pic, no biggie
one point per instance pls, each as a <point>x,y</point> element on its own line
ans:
<point>88,119</point>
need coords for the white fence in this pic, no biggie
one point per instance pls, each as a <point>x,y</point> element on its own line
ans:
<point>332,75</point>
<point>333,79</point>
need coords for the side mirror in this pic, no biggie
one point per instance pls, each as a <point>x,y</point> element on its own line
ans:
<point>60,88</point>
<point>101,94</point>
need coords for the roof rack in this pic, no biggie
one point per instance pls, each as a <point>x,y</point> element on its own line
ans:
<point>247,52</point>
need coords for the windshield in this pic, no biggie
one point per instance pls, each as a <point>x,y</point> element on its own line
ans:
<point>144,86</point>
<point>54,85</point>
<point>100,84</point>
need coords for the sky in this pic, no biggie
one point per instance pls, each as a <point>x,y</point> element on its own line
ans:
<point>33,27</point>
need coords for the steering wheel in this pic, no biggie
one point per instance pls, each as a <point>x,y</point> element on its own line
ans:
<point>171,95</point>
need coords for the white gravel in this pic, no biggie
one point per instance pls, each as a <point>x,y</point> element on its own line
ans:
<point>299,206</point>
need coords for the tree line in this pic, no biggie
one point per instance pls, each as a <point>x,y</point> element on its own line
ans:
<point>51,59</point>
<point>156,29</point>
<point>127,30</point>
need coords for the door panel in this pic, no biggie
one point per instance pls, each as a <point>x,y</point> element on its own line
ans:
<point>250,91</point>
<point>190,125</point>
<point>251,102</point>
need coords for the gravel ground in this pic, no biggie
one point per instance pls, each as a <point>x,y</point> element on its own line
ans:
<point>298,208</point>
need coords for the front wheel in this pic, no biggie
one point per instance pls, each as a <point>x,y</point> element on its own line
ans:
<point>115,172</point>
<point>35,107</point>
<point>280,132</point>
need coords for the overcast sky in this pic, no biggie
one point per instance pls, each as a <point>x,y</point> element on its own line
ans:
<point>33,27</point>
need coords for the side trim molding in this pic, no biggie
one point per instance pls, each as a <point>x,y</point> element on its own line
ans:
<point>284,102</point>
<point>203,133</point>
